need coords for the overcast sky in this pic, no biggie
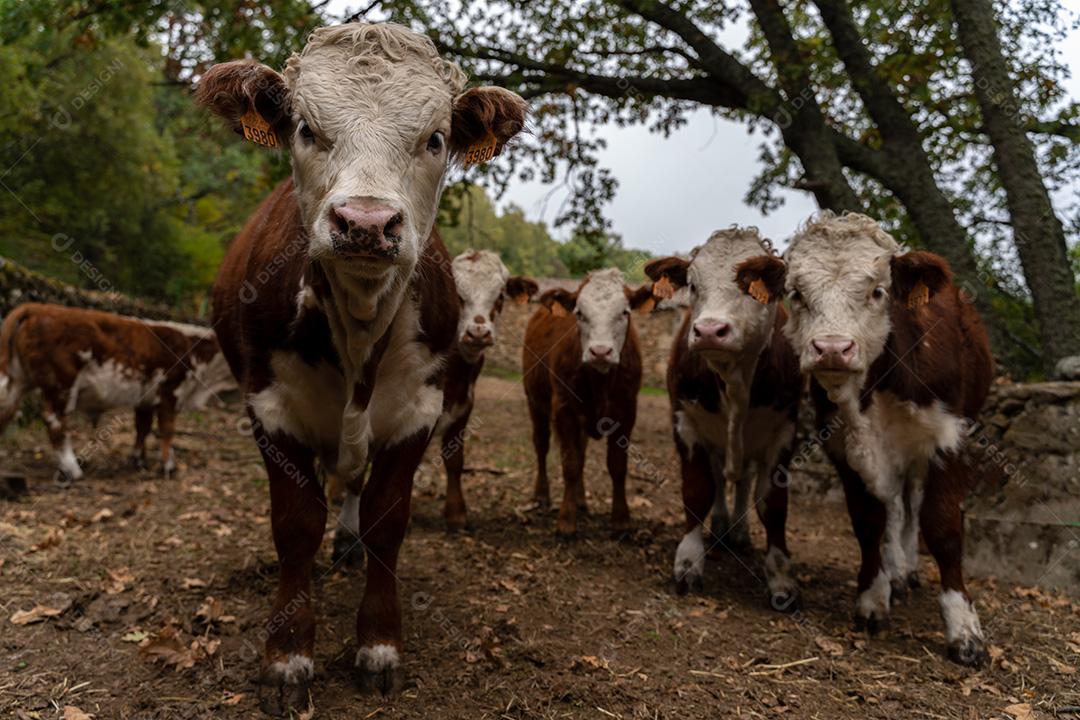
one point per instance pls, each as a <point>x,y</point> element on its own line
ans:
<point>674,191</point>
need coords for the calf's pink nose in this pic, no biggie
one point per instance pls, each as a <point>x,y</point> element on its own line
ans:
<point>833,350</point>
<point>368,220</point>
<point>601,352</point>
<point>711,329</point>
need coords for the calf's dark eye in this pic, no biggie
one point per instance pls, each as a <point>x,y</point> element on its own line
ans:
<point>305,131</point>
<point>879,293</point>
<point>436,142</point>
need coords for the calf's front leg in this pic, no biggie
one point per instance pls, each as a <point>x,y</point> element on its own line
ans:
<point>384,517</point>
<point>298,519</point>
<point>453,454</point>
<point>572,450</point>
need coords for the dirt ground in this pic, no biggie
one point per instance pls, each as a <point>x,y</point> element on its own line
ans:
<point>146,598</point>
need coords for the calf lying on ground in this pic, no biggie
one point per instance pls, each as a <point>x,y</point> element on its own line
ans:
<point>482,284</point>
<point>734,386</point>
<point>901,365</point>
<point>336,307</point>
<point>582,371</point>
<point>93,361</point>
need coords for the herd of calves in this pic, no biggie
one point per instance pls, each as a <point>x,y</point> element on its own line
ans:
<point>356,340</point>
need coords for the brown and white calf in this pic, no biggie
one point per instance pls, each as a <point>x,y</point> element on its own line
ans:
<point>734,386</point>
<point>483,283</point>
<point>901,365</point>
<point>336,308</point>
<point>582,372</point>
<point>92,361</point>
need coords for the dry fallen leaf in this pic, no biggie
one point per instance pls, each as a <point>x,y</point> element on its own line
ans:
<point>233,699</point>
<point>118,581</point>
<point>101,515</point>
<point>73,713</point>
<point>1021,711</point>
<point>829,646</point>
<point>53,607</point>
<point>192,583</point>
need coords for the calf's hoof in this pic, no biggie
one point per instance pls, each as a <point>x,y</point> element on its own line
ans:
<point>348,550</point>
<point>285,686</point>
<point>456,522</point>
<point>378,670</point>
<point>620,528</point>
<point>689,580</point>
<point>970,651</point>
<point>138,463</point>
<point>874,623</point>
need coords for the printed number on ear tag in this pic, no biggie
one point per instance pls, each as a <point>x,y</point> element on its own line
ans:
<point>481,152</point>
<point>759,292</point>
<point>257,130</point>
<point>920,295</point>
<point>663,288</point>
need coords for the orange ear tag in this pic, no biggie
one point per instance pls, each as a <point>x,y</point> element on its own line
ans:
<point>521,298</point>
<point>558,310</point>
<point>257,130</point>
<point>647,307</point>
<point>663,288</point>
<point>758,291</point>
<point>920,295</point>
<point>481,152</point>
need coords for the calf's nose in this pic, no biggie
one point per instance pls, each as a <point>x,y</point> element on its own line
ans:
<point>601,352</point>
<point>711,329</point>
<point>833,351</point>
<point>479,334</point>
<point>377,225</point>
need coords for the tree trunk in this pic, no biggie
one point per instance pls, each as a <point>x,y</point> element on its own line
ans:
<point>1037,231</point>
<point>908,174</point>
<point>800,121</point>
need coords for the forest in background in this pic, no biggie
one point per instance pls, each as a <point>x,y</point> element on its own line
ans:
<point>111,179</point>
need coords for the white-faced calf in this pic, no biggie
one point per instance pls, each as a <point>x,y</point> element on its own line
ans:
<point>94,361</point>
<point>483,284</point>
<point>582,371</point>
<point>734,386</point>
<point>901,364</point>
<point>336,307</point>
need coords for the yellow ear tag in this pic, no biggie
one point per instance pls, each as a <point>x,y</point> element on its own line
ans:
<point>920,295</point>
<point>663,288</point>
<point>758,291</point>
<point>257,130</point>
<point>558,310</point>
<point>481,152</point>
<point>647,307</point>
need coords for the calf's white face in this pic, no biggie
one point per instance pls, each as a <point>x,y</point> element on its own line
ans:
<point>733,281</point>
<point>483,283</point>
<point>601,308</point>
<point>838,284</point>
<point>372,116</point>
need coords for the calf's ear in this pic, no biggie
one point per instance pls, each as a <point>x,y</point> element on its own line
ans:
<point>560,302</point>
<point>667,274</point>
<point>761,277</point>
<point>917,276</point>
<point>521,288</point>
<point>251,98</point>
<point>643,299</point>
<point>484,120</point>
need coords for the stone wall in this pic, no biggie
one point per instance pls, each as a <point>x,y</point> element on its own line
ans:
<point>19,285</point>
<point>1023,519</point>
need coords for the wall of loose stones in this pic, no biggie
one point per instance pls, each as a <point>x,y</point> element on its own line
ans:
<point>19,285</point>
